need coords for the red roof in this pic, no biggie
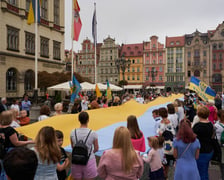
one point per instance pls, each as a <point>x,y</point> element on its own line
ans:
<point>132,50</point>
<point>177,41</point>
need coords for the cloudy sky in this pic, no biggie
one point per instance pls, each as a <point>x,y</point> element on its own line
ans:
<point>134,21</point>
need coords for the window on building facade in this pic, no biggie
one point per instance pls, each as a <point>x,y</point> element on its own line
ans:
<point>11,79</point>
<point>196,53</point>
<point>189,54</point>
<point>154,61</point>
<point>188,73</point>
<point>12,38</point>
<point>160,53</point>
<point>133,69</point>
<point>220,56</point>
<point>56,50</point>
<point>205,53</point>
<point>30,43</point>
<point>133,61</point>
<point>160,69</point>
<point>44,47</point>
<point>133,77</point>
<point>111,57</point>
<point>204,73</point>
<point>189,63</point>
<point>27,5</point>
<point>197,73</point>
<point>160,61</point>
<point>138,69</point>
<point>13,2</point>
<point>154,45</point>
<point>214,56</point>
<point>160,78</point>
<point>220,66</point>
<point>220,46</point>
<point>214,46</point>
<point>147,69</point>
<point>147,54</point>
<point>29,80</point>
<point>147,78</point>
<point>138,77</point>
<point>138,61</point>
<point>128,69</point>
<point>57,12</point>
<point>44,9</point>
<point>128,77</point>
<point>154,54</point>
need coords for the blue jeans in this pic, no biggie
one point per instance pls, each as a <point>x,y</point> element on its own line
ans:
<point>203,164</point>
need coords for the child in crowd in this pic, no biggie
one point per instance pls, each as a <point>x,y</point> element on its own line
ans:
<point>64,162</point>
<point>154,160</point>
<point>161,149</point>
<point>23,119</point>
<point>157,118</point>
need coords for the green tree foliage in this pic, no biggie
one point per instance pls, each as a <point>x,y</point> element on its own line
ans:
<point>123,83</point>
<point>46,79</point>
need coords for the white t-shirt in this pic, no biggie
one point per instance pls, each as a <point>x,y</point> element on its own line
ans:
<point>174,119</point>
<point>219,129</point>
<point>15,106</point>
<point>81,135</point>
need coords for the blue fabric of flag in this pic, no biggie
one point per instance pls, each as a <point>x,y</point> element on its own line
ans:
<point>75,89</point>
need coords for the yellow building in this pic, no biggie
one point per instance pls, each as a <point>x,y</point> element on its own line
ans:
<point>134,54</point>
<point>17,47</point>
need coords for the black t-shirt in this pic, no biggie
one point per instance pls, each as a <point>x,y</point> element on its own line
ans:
<point>62,174</point>
<point>204,132</point>
<point>7,132</point>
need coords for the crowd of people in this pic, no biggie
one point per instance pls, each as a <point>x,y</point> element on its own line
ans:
<point>184,131</point>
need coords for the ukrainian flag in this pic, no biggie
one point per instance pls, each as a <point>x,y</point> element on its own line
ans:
<point>31,14</point>
<point>202,89</point>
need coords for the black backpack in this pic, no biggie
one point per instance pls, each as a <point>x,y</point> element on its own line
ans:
<point>2,146</point>
<point>80,154</point>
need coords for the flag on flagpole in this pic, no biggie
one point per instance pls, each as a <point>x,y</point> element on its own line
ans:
<point>31,15</point>
<point>108,92</point>
<point>75,88</point>
<point>98,93</point>
<point>202,89</point>
<point>94,33</point>
<point>77,21</point>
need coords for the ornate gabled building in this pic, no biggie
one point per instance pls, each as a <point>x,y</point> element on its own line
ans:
<point>17,48</point>
<point>85,64</point>
<point>133,56</point>
<point>154,60</point>
<point>197,57</point>
<point>107,69</point>
<point>175,67</point>
<point>217,58</point>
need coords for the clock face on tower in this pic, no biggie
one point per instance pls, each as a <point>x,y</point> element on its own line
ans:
<point>222,33</point>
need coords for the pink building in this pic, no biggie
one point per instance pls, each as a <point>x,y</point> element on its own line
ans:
<point>154,62</point>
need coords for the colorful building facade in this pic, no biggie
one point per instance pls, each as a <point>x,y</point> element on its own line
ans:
<point>175,66</point>
<point>154,60</point>
<point>133,55</point>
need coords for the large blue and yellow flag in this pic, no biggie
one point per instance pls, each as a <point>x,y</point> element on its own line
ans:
<point>202,89</point>
<point>75,88</point>
<point>31,15</point>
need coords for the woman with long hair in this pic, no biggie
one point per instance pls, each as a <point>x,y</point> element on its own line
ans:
<point>137,137</point>
<point>128,164</point>
<point>48,154</point>
<point>204,131</point>
<point>186,151</point>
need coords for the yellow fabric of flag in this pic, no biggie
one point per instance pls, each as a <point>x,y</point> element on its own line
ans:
<point>31,17</point>
<point>98,93</point>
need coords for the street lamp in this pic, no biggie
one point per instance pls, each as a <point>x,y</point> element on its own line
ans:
<point>122,64</point>
<point>153,73</point>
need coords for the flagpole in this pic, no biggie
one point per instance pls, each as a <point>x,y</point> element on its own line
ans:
<point>72,70</point>
<point>36,60</point>
<point>95,43</point>
<point>72,35</point>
